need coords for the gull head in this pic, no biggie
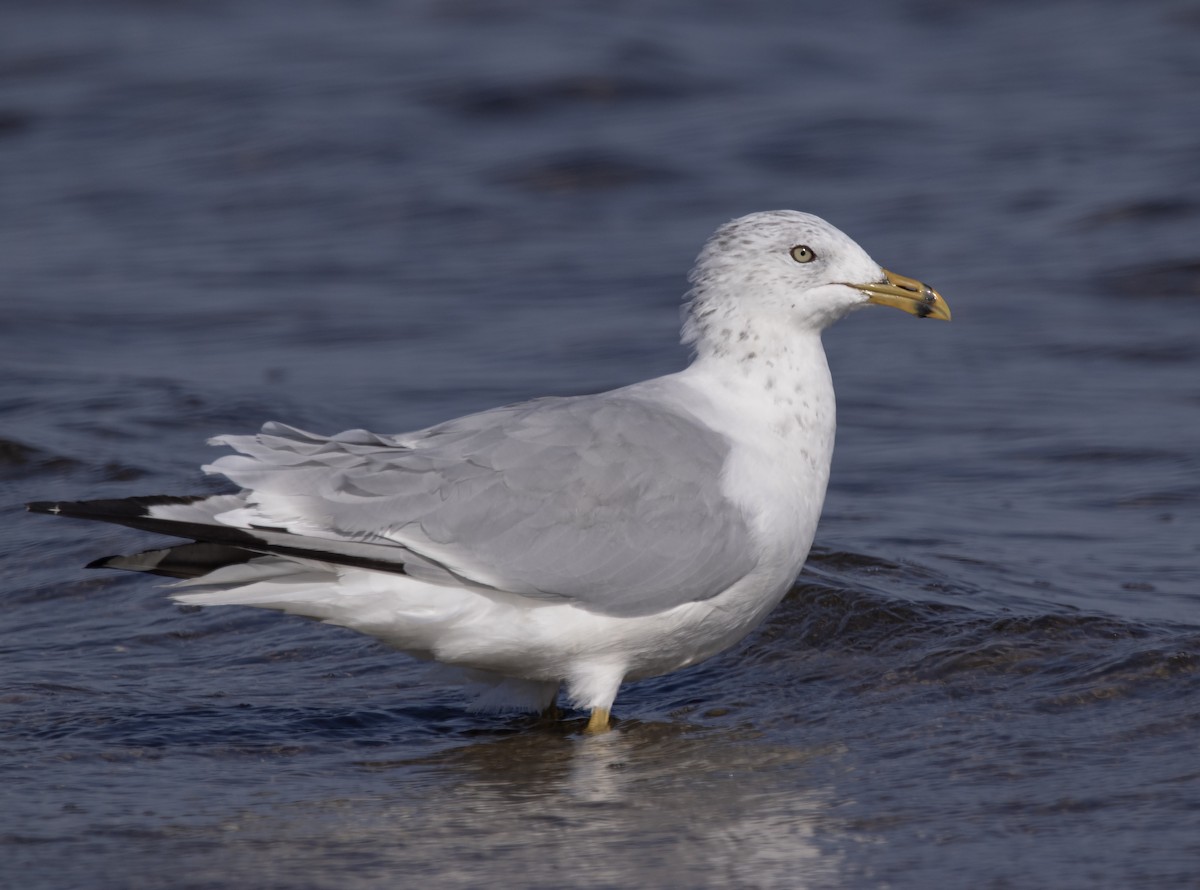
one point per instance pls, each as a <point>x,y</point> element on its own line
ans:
<point>783,271</point>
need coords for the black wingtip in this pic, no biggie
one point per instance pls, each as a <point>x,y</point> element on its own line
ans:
<point>191,560</point>
<point>215,544</point>
<point>110,510</point>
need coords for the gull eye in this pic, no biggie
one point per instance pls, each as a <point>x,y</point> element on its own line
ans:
<point>802,253</point>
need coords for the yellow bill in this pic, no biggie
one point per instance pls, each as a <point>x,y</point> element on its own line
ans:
<point>908,294</point>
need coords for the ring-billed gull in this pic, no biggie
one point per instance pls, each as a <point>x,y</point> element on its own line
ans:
<point>583,541</point>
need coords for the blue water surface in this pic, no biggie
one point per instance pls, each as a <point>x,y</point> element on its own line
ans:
<point>384,214</point>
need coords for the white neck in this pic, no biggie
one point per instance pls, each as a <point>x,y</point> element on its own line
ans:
<point>773,396</point>
<point>777,408</point>
<point>777,372</point>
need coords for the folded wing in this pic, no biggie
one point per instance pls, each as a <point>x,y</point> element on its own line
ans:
<point>607,500</point>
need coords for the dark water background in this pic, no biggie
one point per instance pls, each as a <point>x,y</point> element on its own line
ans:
<point>385,214</point>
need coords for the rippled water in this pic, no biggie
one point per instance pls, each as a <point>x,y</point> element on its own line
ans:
<point>386,214</point>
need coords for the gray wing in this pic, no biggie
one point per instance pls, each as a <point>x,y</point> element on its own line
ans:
<point>611,501</point>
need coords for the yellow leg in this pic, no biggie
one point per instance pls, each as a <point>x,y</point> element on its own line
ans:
<point>598,721</point>
<point>551,712</point>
